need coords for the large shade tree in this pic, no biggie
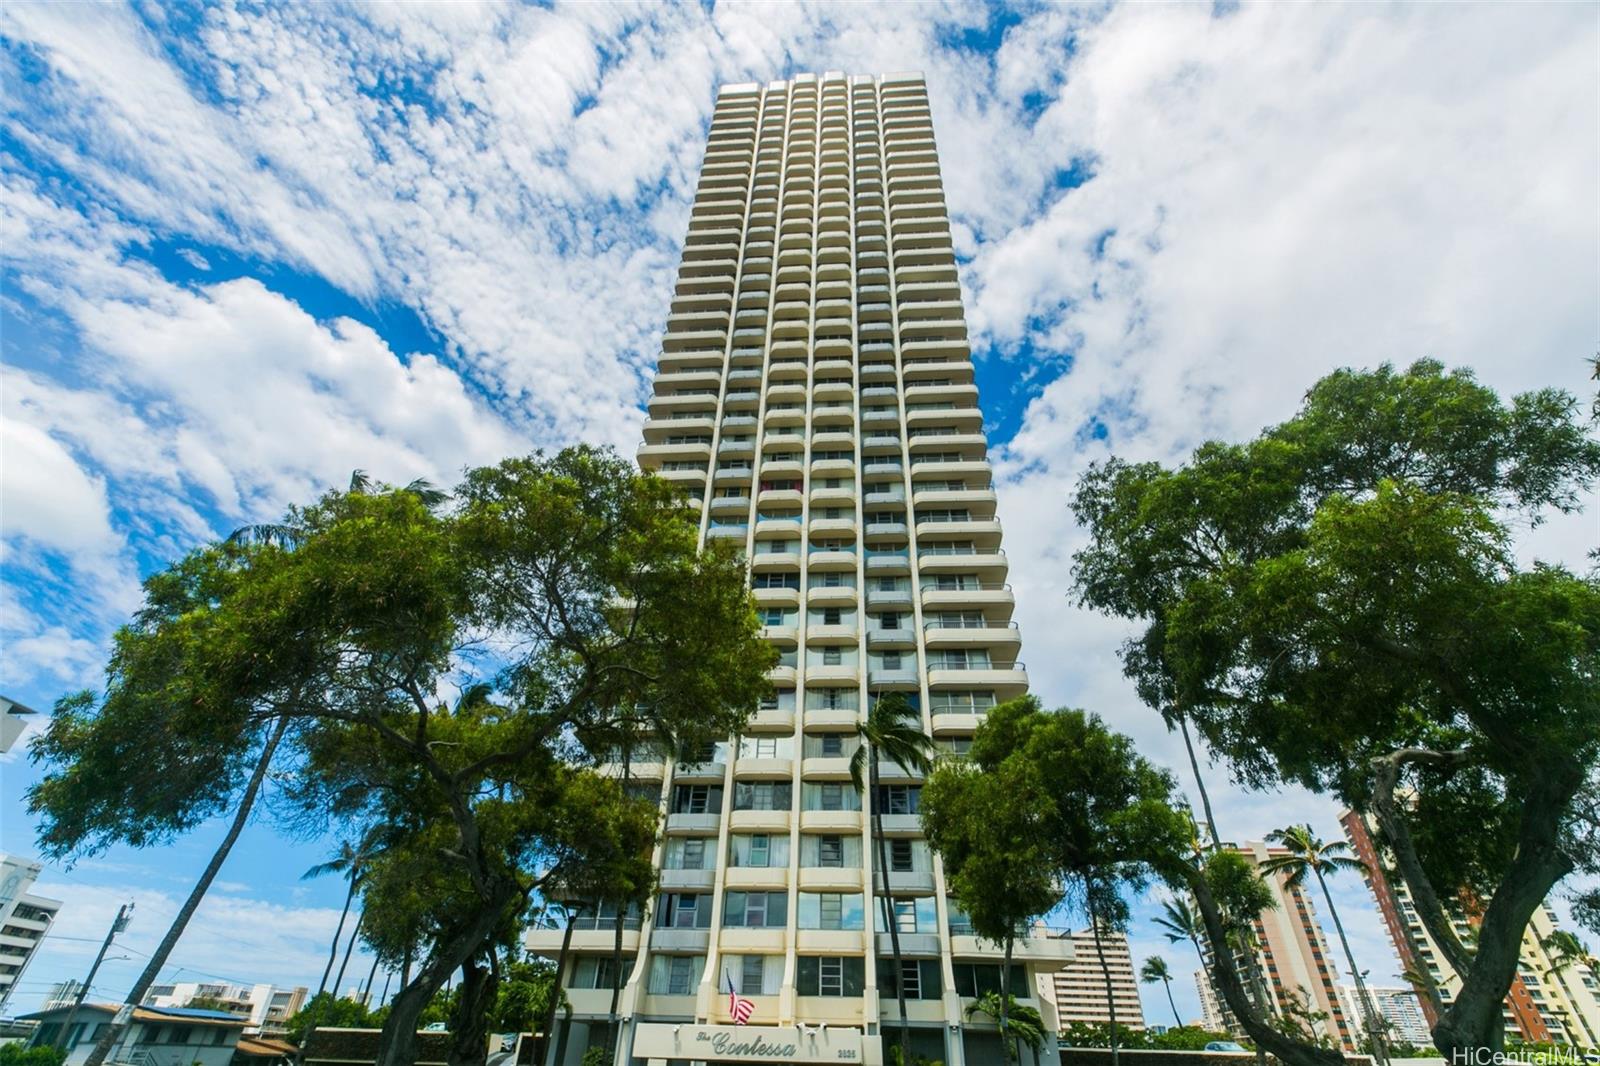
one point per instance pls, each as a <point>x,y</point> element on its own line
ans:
<point>570,586</point>
<point>1339,603</point>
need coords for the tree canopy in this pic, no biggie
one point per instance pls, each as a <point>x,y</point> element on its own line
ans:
<point>563,598</point>
<point>1339,603</point>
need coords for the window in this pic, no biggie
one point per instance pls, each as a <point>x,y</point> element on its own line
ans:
<point>685,910</point>
<point>918,977</point>
<point>830,910</point>
<point>762,795</point>
<point>832,616</point>
<point>962,702</point>
<point>751,973</point>
<point>975,979</point>
<point>763,747</point>
<point>891,660</point>
<point>829,975</point>
<point>889,620</point>
<point>832,745</point>
<point>675,975</point>
<point>686,853</point>
<point>830,851</point>
<point>599,971</point>
<point>900,855</point>
<point>832,656</point>
<point>755,910</point>
<point>771,616</point>
<point>900,799</point>
<point>758,850</point>
<point>697,799</point>
<point>829,796</point>
<point>777,581</point>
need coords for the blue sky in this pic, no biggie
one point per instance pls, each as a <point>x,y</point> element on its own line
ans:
<point>249,250</point>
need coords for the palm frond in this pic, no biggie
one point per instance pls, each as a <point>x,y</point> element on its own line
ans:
<point>276,534</point>
<point>360,483</point>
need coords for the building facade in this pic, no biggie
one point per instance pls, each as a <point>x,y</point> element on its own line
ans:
<point>25,920</point>
<point>154,1036</point>
<point>1551,1000</point>
<point>815,402</point>
<point>1399,1008</point>
<point>1293,960</point>
<point>1213,1017</point>
<point>1078,989</point>
<point>266,1009</point>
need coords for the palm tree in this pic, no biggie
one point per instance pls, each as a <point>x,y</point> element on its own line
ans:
<point>1307,854</point>
<point>351,861</point>
<point>287,536</point>
<point>1024,1024</point>
<point>112,1032</point>
<point>1155,969</point>
<point>1174,714</point>
<point>892,731</point>
<point>1182,923</point>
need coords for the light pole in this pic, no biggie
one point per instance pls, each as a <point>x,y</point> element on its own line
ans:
<point>118,924</point>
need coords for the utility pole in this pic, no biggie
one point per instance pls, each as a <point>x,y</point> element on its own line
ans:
<point>118,924</point>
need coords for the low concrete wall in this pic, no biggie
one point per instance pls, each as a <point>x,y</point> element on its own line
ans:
<point>1099,1056</point>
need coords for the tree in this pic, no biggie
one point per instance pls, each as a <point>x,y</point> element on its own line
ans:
<point>350,861</point>
<point>893,731</point>
<point>1155,969</point>
<point>1307,854</point>
<point>327,1010</point>
<point>1023,1023</point>
<point>571,585</point>
<point>984,821</point>
<point>1337,603</point>
<point>1104,815</point>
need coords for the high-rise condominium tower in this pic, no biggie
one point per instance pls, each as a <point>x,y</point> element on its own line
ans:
<point>815,400</point>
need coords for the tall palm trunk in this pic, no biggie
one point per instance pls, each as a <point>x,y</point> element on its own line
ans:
<point>1166,983</point>
<point>349,947</point>
<point>616,943</point>
<point>882,847</point>
<point>333,948</point>
<point>1199,782</point>
<point>1379,1052</point>
<point>1005,999</point>
<point>1105,973</point>
<point>366,989</point>
<point>548,1056</point>
<point>114,1030</point>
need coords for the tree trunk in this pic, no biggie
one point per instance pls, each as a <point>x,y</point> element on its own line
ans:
<point>1199,782</point>
<point>366,989</point>
<point>333,949</point>
<point>882,849</point>
<point>1473,1019</point>
<point>1379,1053</point>
<point>548,1054</point>
<point>469,1028</point>
<point>1167,983</point>
<point>349,948</point>
<point>1289,1051</point>
<point>1005,998</point>
<point>397,1044</point>
<point>113,1030</point>
<point>616,943</point>
<point>1105,972</point>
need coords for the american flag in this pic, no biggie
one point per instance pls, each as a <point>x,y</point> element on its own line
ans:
<point>738,1006</point>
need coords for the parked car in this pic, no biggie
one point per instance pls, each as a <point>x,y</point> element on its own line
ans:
<point>1225,1045</point>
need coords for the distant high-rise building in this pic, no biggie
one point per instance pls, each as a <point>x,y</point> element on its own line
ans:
<point>1078,989</point>
<point>1399,1009</point>
<point>1293,958</point>
<point>265,1008</point>
<point>1551,1000</point>
<point>1212,1015</point>
<point>62,994</point>
<point>25,919</point>
<point>815,401</point>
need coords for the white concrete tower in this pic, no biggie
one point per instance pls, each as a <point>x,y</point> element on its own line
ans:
<point>815,399</point>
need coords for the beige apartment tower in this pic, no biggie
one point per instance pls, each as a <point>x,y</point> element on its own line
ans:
<point>815,401</point>
<point>1078,989</point>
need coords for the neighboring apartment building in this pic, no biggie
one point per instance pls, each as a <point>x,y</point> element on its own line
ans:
<point>154,1036</point>
<point>25,920</point>
<point>1294,957</point>
<point>1399,1008</point>
<point>1078,989</point>
<point>815,401</point>
<point>1549,1001</point>
<point>1213,1016</point>
<point>265,1008</point>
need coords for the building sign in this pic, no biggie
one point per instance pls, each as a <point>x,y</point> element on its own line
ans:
<point>747,1043</point>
